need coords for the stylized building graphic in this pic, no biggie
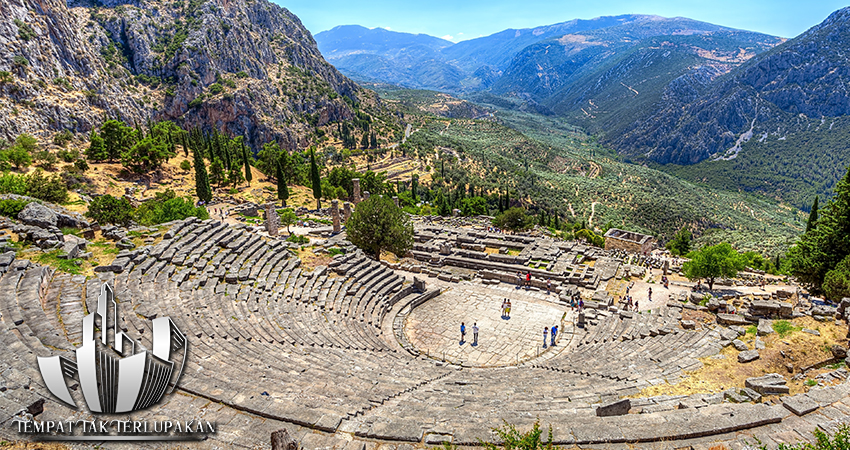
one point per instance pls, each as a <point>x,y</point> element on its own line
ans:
<point>117,374</point>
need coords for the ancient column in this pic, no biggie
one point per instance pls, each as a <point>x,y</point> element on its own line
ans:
<point>366,195</point>
<point>335,215</point>
<point>395,199</point>
<point>272,220</point>
<point>356,198</point>
<point>346,211</point>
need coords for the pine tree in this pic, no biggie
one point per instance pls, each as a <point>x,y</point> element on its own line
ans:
<point>202,181</point>
<point>282,189</point>
<point>245,160</point>
<point>813,216</point>
<point>317,181</point>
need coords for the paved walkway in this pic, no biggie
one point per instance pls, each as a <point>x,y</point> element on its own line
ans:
<point>434,327</point>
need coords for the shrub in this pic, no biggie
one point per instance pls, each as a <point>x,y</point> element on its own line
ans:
<point>20,61</point>
<point>108,209</point>
<point>216,88</point>
<point>51,189</point>
<point>63,138</point>
<point>185,165</point>
<point>298,239</point>
<point>5,77</point>
<point>514,440</point>
<point>165,207</point>
<point>25,31</point>
<point>45,160</point>
<point>513,219</point>
<point>836,283</point>
<point>197,101</point>
<point>241,74</point>
<point>68,156</point>
<point>12,207</point>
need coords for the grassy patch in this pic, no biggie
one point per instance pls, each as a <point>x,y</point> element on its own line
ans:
<point>811,383</point>
<point>784,328</point>
<point>70,230</point>
<point>752,329</point>
<point>52,259</point>
<point>335,251</point>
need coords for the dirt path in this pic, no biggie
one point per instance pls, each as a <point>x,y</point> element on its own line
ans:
<point>592,212</point>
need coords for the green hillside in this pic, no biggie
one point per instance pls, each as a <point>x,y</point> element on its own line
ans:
<point>551,165</point>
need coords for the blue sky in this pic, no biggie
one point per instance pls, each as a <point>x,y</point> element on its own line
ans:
<point>466,19</point>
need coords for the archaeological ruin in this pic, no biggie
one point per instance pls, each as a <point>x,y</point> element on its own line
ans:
<point>357,354</point>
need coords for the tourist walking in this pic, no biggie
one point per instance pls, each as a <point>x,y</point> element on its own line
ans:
<point>548,285</point>
<point>554,333</point>
<point>508,309</point>
<point>462,333</point>
<point>649,294</point>
<point>545,335</point>
<point>527,280</point>
<point>504,307</point>
<point>518,279</point>
<point>474,334</point>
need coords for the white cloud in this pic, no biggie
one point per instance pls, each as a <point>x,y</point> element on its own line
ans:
<point>448,37</point>
<point>388,28</point>
<point>459,34</point>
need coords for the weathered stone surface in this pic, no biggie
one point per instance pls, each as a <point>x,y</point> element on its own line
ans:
<point>748,356</point>
<point>769,384</point>
<point>615,408</point>
<point>689,324</point>
<point>732,319</point>
<point>38,215</point>
<point>765,327</point>
<point>839,351</point>
<point>740,345</point>
<point>282,441</point>
<point>800,404</point>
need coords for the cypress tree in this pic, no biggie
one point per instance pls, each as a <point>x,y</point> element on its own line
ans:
<point>414,184</point>
<point>374,143</point>
<point>317,181</point>
<point>245,160</point>
<point>813,216</point>
<point>364,143</point>
<point>185,145</point>
<point>282,189</point>
<point>507,200</point>
<point>202,181</point>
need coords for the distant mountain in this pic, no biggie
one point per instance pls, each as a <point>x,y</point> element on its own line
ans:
<point>778,124</point>
<point>806,77</point>
<point>425,62</point>
<point>405,59</point>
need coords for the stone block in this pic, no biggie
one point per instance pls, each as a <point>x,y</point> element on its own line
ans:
<point>732,319</point>
<point>615,408</point>
<point>689,324</point>
<point>800,404</point>
<point>740,345</point>
<point>748,356</point>
<point>765,327</point>
<point>769,384</point>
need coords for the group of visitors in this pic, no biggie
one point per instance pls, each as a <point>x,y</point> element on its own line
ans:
<point>546,333</point>
<point>506,308</point>
<point>474,334</point>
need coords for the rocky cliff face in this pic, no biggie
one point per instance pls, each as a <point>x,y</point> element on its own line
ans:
<point>806,77</point>
<point>246,67</point>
